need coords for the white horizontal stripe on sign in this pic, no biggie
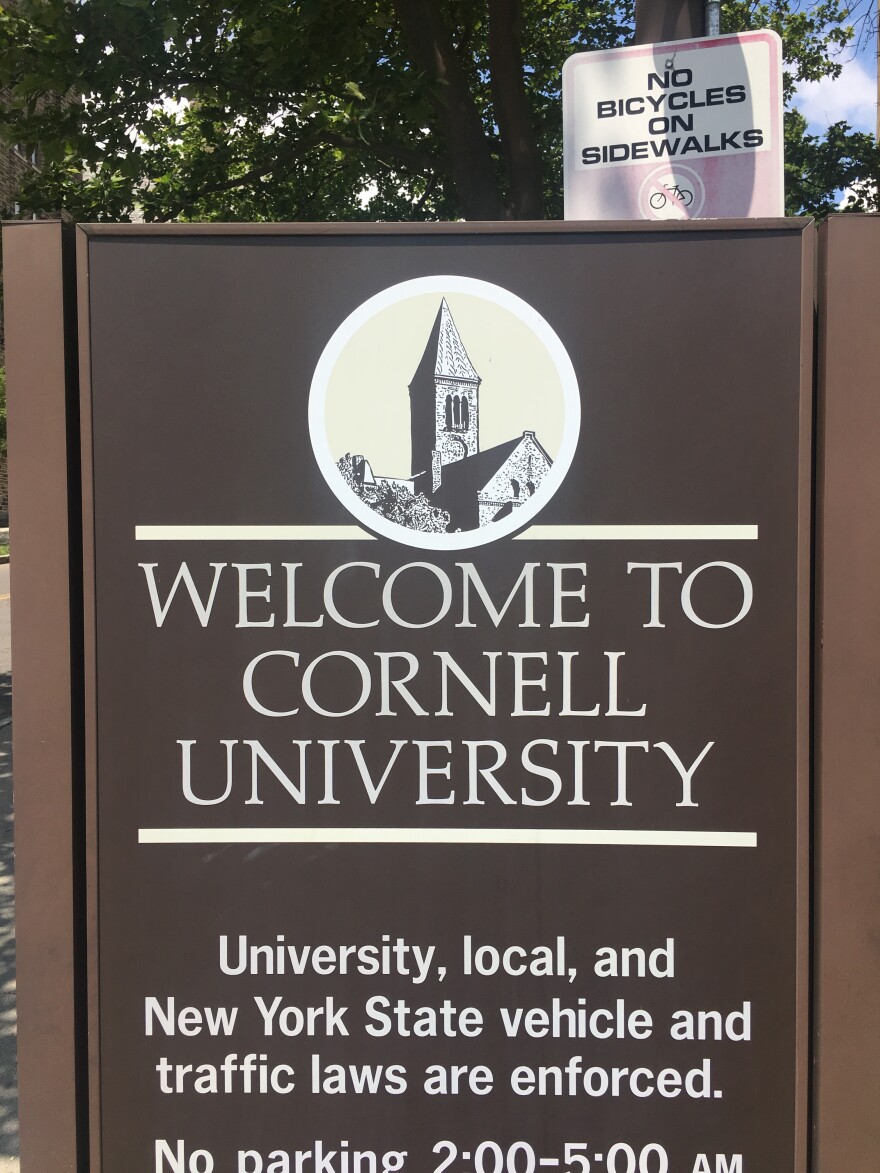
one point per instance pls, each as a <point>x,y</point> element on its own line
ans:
<point>247,533</point>
<point>537,836</point>
<point>639,533</point>
<point>343,533</point>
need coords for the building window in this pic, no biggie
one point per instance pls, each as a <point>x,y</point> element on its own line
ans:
<point>32,154</point>
<point>457,413</point>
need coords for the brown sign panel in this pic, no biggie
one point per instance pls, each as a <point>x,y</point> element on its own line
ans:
<point>847,911</point>
<point>449,719</point>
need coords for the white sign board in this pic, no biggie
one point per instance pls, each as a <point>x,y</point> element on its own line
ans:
<point>675,131</point>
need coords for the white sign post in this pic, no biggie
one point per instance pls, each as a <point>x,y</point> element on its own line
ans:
<point>675,131</point>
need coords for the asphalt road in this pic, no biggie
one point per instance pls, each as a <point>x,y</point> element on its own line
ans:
<point>5,655</point>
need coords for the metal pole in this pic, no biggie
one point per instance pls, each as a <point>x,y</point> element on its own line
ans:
<point>713,18</point>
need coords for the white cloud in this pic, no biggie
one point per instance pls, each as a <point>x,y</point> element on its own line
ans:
<point>865,191</point>
<point>851,98</point>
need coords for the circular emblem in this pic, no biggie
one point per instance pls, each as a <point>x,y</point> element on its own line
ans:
<point>444,412</point>
<point>672,192</point>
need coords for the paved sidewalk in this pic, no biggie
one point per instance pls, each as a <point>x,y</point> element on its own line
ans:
<point>8,1074</point>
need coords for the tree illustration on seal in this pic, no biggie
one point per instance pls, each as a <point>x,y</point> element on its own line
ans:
<point>453,485</point>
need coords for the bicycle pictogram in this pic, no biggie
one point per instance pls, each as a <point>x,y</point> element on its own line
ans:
<point>683,195</point>
<point>672,192</point>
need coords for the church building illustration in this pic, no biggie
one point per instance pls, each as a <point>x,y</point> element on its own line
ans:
<point>448,468</point>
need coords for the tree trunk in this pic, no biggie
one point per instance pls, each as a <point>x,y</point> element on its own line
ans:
<point>668,20</point>
<point>512,112</point>
<point>470,158</point>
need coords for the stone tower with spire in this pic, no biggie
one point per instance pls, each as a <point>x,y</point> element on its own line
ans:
<point>444,401</point>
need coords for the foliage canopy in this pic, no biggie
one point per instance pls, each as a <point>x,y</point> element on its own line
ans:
<point>344,109</point>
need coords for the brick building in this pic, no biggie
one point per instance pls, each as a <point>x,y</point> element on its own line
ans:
<point>16,163</point>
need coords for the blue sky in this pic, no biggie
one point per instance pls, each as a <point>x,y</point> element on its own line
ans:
<point>851,98</point>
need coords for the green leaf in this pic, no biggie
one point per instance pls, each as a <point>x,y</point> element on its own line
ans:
<point>271,92</point>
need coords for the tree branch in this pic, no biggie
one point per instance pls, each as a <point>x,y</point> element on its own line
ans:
<point>429,191</point>
<point>414,160</point>
<point>283,162</point>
